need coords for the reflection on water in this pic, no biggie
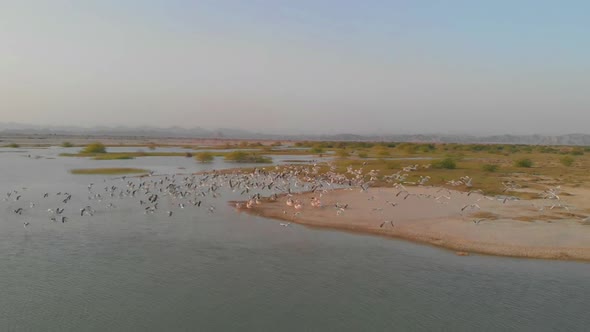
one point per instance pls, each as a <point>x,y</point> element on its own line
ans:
<point>123,270</point>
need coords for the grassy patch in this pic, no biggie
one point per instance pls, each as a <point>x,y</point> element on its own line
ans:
<point>108,171</point>
<point>524,162</point>
<point>447,163</point>
<point>567,161</point>
<point>113,157</point>
<point>94,148</point>
<point>123,155</point>
<point>205,157</point>
<point>245,157</point>
<point>490,167</point>
<point>341,153</point>
<point>488,170</point>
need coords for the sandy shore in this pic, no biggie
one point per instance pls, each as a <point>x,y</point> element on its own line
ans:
<point>434,216</point>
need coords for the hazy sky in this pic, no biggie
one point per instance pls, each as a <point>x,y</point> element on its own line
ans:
<point>322,66</point>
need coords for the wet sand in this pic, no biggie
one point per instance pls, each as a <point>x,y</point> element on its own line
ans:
<point>511,228</point>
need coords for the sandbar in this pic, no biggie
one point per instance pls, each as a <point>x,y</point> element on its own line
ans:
<point>439,216</point>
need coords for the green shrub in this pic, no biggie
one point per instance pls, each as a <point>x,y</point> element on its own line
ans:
<point>67,144</point>
<point>245,157</point>
<point>95,148</point>
<point>342,154</point>
<point>525,162</point>
<point>567,161</point>
<point>577,152</point>
<point>205,157</point>
<point>490,167</point>
<point>447,163</point>
<point>317,149</point>
<point>236,155</point>
<point>13,145</point>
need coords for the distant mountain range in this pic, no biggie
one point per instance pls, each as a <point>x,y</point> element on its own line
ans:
<point>8,129</point>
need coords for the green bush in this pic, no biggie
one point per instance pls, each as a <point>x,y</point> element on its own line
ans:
<point>205,157</point>
<point>342,154</point>
<point>13,145</point>
<point>67,144</point>
<point>317,149</point>
<point>447,163</point>
<point>577,152</point>
<point>95,148</point>
<point>490,167</point>
<point>525,162</point>
<point>244,157</point>
<point>567,161</point>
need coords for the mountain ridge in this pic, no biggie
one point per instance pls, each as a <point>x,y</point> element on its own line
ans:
<point>232,133</point>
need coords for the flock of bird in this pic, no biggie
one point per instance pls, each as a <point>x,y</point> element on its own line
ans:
<point>149,194</point>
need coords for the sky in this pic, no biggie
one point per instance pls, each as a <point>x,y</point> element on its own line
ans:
<point>305,66</point>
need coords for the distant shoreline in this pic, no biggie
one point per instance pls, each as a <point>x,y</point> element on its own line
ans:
<point>423,221</point>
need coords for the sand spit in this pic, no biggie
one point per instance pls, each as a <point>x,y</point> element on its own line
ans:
<point>451,219</point>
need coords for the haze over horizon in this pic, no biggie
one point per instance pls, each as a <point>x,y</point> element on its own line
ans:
<point>298,67</point>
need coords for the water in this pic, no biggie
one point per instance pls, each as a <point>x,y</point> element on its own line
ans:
<point>122,270</point>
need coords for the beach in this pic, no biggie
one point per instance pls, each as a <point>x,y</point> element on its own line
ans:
<point>463,222</point>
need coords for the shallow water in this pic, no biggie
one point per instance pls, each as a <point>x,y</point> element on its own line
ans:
<point>122,270</point>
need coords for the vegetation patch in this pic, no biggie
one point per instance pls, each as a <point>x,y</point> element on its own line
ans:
<point>342,153</point>
<point>524,162</point>
<point>113,157</point>
<point>123,155</point>
<point>363,155</point>
<point>567,161</point>
<point>96,147</point>
<point>490,167</point>
<point>447,163</point>
<point>317,149</point>
<point>108,171</point>
<point>205,157</point>
<point>245,157</point>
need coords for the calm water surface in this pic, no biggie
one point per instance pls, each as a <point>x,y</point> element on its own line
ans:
<point>122,270</point>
